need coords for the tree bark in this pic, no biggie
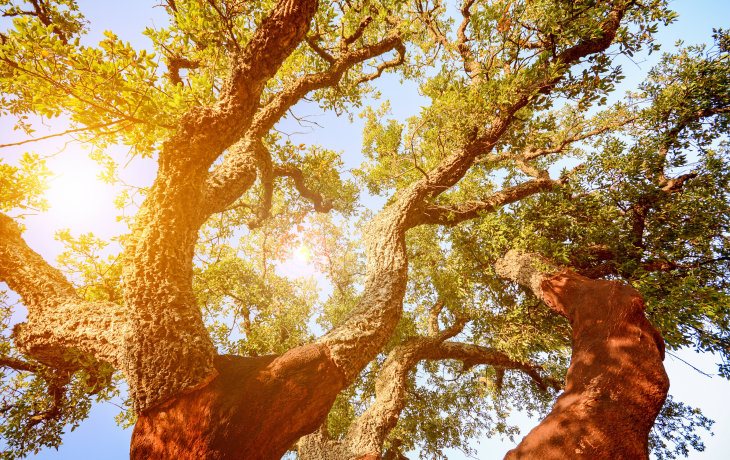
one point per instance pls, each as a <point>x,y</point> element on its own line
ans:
<point>256,408</point>
<point>192,403</point>
<point>366,436</point>
<point>62,330</point>
<point>616,383</point>
<point>167,348</point>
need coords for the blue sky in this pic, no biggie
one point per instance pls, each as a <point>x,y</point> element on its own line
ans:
<point>100,438</point>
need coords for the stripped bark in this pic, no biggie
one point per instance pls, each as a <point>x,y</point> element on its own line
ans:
<point>191,403</point>
<point>616,383</point>
<point>255,409</point>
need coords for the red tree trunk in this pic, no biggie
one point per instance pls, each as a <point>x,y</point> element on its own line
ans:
<point>255,409</point>
<point>616,383</point>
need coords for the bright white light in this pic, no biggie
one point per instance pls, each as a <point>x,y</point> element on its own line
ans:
<point>302,254</point>
<point>299,264</point>
<point>76,197</point>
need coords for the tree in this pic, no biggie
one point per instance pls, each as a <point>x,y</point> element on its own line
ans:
<point>614,247</point>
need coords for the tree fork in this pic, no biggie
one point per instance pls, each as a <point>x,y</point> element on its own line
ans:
<point>62,329</point>
<point>256,408</point>
<point>167,350</point>
<point>616,383</point>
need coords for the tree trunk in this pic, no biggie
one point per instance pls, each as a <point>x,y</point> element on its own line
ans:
<point>167,349</point>
<point>256,408</point>
<point>616,383</point>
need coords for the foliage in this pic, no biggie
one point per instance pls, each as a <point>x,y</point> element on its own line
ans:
<point>22,186</point>
<point>640,194</point>
<point>677,423</point>
<point>39,404</point>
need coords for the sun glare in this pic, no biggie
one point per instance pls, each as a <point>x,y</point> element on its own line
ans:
<point>76,197</point>
<point>299,264</point>
<point>302,254</point>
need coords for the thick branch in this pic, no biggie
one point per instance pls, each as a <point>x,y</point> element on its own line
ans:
<point>175,64</point>
<point>234,175</point>
<point>599,42</point>
<point>471,66</point>
<point>279,104</point>
<point>171,352</point>
<point>453,215</point>
<point>453,167</point>
<point>675,184</point>
<point>527,270</point>
<point>356,341</point>
<point>348,40</point>
<point>616,383</point>
<point>472,355</point>
<point>17,364</point>
<point>205,132</point>
<point>366,436</point>
<point>60,323</point>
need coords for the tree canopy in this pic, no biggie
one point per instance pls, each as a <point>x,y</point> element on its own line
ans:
<point>523,147</point>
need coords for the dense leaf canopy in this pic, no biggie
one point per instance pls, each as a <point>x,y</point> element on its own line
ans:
<point>632,187</point>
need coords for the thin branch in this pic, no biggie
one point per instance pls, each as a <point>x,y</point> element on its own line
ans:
<point>348,40</point>
<point>64,133</point>
<point>382,67</point>
<point>532,153</point>
<point>321,204</point>
<point>321,52</point>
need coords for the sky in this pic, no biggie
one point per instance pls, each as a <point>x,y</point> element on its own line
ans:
<point>86,206</point>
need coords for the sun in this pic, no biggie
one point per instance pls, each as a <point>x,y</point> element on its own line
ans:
<point>299,264</point>
<point>302,254</point>
<point>75,195</point>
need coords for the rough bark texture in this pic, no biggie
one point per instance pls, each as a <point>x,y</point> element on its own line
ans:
<point>167,349</point>
<point>60,324</point>
<point>366,437</point>
<point>355,343</point>
<point>256,408</point>
<point>193,404</point>
<point>616,383</point>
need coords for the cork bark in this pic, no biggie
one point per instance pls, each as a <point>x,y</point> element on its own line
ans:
<point>167,349</point>
<point>366,437</point>
<point>616,383</point>
<point>192,403</point>
<point>255,409</point>
<point>60,325</point>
